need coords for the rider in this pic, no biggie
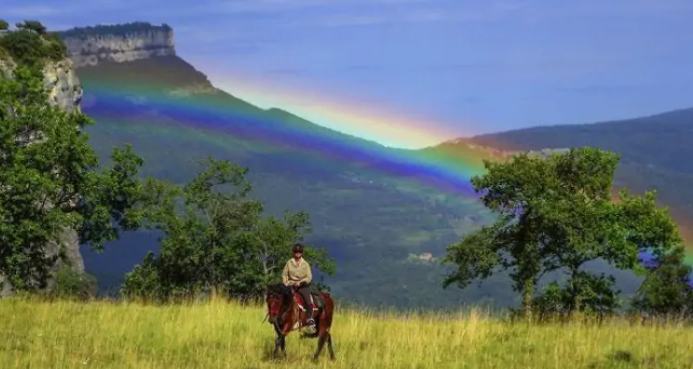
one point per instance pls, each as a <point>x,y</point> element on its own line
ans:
<point>297,273</point>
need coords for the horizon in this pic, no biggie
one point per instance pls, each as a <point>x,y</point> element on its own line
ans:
<point>522,64</point>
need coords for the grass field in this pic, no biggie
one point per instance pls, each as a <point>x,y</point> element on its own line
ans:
<point>222,335</point>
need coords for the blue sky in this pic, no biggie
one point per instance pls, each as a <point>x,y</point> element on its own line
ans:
<point>478,66</point>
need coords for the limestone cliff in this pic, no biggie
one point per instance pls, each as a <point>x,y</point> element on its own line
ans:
<point>89,46</point>
<point>104,51</point>
<point>64,90</point>
<point>62,84</point>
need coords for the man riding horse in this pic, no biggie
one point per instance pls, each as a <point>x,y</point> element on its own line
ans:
<point>297,274</point>
<point>284,310</point>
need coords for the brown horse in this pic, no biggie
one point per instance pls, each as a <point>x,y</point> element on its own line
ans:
<point>286,316</point>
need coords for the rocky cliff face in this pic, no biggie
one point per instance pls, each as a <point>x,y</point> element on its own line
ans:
<point>64,90</point>
<point>62,84</point>
<point>118,43</point>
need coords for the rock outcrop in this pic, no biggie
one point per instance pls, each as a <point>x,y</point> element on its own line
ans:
<point>118,43</point>
<point>64,90</point>
<point>62,84</point>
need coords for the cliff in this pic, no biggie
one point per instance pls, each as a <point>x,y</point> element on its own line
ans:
<point>134,52</point>
<point>88,46</point>
<point>63,85</point>
<point>64,90</point>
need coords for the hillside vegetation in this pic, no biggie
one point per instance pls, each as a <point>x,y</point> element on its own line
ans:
<point>655,152</point>
<point>371,244</point>
<point>103,335</point>
<point>372,222</point>
<point>30,44</point>
<point>557,234</point>
<point>554,216</point>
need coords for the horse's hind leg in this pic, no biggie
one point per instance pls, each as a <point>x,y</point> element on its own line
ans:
<point>329,346</point>
<point>321,342</point>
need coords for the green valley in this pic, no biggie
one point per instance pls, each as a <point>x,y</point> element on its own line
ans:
<point>374,223</point>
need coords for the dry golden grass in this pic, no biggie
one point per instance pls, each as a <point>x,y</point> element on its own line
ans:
<point>35,334</point>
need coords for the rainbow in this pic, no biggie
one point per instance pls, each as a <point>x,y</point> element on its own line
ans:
<point>447,169</point>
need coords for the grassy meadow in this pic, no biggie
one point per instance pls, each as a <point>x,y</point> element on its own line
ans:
<point>217,334</point>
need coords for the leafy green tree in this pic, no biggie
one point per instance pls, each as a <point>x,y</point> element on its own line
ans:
<point>666,290</point>
<point>215,239</point>
<point>4,26</point>
<point>24,46</point>
<point>50,180</point>
<point>597,294</point>
<point>32,25</point>
<point>31,45</point>
<point>54,48</point>
<point>556,213</point>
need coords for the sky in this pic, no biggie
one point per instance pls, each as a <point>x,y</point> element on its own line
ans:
<point>470,67</point>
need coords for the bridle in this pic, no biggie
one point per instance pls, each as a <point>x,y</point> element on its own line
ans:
<point>275,309</point>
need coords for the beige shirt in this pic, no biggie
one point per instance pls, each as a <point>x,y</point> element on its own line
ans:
<point>297,271</point>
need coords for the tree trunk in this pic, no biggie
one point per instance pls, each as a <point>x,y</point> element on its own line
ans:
<point>527,292</point>
<point>574,291</point>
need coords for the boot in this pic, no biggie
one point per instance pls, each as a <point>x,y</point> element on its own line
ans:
<point>311,322</point>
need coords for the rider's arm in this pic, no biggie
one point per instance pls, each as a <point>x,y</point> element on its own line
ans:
<point>309,275</point>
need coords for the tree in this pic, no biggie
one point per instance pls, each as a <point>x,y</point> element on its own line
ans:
<point>597,294</point>
<point>4,26</point>
<point>667,289</point>
<point>556,213</point>
<point>32,25</point>
<point>29,46</point>
<point>50,181</point>
<point>25,47</point>
<point>215,239</point>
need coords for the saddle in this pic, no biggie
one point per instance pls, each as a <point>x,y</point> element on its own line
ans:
<point>316,297</point>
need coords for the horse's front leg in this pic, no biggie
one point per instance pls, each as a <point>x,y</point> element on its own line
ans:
<point>284,345</point>
<point>278,343</point>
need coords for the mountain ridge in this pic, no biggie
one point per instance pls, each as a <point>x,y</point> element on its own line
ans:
<point>333,192</point>
<point>653,150</point>
<point>119,43</point>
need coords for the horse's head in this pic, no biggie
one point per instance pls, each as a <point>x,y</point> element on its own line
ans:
<point>277,299</point>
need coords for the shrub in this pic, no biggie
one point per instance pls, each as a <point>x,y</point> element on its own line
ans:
<point>24,46</point>
<point>32,25</point>
<point>72,284</point>
<point>28,47</point>
<point>55,48</point>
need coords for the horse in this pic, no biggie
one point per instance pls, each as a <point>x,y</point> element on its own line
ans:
<point>286,314</point>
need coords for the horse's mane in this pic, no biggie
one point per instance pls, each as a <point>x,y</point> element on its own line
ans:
<point>279,289</point>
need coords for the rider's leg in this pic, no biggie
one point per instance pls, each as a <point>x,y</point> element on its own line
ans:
<point>305,295</point>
